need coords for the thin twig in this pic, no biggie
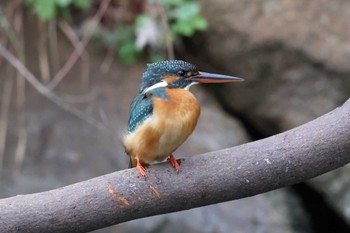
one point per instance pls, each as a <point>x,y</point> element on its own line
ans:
<point>21,95</point>
<point>48,93</point>
<point>21,116</point>
<point>73,38</point>
<point>53,46</point>
<point>168,37</point>
<point>43,55</point>
<point>5,109</point>
<point>85,71</point>
<point>79,48</point>
<point>20,149</point>
<point>107,61</point>
<point>10,34</point>
<point>69,33</point>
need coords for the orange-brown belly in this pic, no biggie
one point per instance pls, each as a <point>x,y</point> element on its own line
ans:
<point>172,122</point>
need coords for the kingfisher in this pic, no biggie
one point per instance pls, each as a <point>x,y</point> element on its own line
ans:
<point>164,113</point>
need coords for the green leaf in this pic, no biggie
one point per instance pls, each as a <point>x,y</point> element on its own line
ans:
<point>128,52</point>
<point>189,26</point>
<point>173,2</point>
<point>199,22</point>
<point>167,2</point>
<point>45,9</point>
<point>186,10</point>
<point>141,20</point>
<point>63,3</point>
<point>82,4</point>
<point>29,2</point>
<point>182,28</point>
<point>156,58</point>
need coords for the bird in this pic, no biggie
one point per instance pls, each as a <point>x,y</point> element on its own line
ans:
<point>164,113</point>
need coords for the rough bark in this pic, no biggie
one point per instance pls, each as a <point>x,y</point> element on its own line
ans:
<point>284,159</point>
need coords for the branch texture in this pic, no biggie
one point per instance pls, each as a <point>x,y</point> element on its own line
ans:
<point>284,159</point>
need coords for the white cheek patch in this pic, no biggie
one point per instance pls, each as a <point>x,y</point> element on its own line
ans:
<point>187,88</point>
<point>157,85</point>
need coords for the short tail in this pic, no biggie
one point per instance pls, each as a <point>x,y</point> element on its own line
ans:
<point>130,162</point>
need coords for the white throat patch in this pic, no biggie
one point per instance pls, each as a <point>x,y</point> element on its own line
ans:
<point>187,88</point>
<point>160,84</point>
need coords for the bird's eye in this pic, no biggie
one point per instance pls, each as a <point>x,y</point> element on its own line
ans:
<point>181,72</point>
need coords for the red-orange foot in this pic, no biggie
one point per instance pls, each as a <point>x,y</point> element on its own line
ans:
<point>141,168</point>
<point>173,162</point>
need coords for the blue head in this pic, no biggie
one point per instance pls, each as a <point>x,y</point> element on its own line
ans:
<point>179,74</point>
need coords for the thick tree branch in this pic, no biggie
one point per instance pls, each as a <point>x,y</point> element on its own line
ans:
<point>284,159</point>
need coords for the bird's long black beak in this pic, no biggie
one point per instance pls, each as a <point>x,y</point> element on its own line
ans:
<point>204,77</point>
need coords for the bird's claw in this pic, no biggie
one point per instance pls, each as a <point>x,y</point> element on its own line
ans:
<point>173,162</point>
<point>141,168</point>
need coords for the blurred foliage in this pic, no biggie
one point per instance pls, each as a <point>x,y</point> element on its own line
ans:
<point>134,27</point>
<point>49,9</point>
<point>185,17</point>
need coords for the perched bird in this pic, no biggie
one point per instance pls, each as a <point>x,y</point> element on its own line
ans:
<point>164,113</point>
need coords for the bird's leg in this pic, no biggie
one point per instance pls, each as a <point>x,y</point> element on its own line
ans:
<point>173,162</point>
<point>141,168</point>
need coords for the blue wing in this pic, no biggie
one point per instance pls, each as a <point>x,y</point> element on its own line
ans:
<point>141,108</point>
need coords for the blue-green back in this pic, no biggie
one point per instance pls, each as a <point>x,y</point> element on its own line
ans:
<point>142,107</point>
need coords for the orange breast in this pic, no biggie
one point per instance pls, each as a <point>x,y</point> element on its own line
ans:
<point>172,122</point>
